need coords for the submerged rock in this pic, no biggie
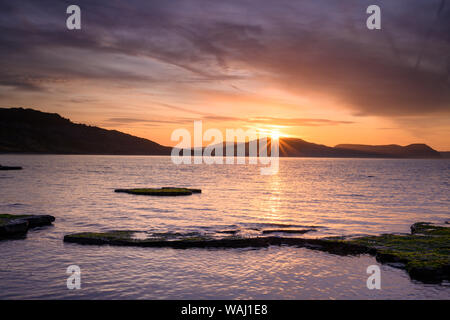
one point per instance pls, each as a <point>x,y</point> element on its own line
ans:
<point>9,168</point>
<point>17,225</point>
<point>425,253</point>
<point>291,231</point>
<point>196,240</point>
<point>228,231</point>
<point>165,191</point>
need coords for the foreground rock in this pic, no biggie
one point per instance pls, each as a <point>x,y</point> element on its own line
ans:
<point>12,226</point>
<point>165,191</point>
<point>425,253</point>
<point>195,240</point>
<point>9,168</point>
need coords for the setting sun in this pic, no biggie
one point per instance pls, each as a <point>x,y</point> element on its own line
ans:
<point>275,135</point>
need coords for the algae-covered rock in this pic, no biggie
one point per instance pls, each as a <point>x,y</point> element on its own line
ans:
<point>426,228</point>
<point>190,189</point>
<point>165,191</point>
<point>425,253</point>
<point>14,225</point>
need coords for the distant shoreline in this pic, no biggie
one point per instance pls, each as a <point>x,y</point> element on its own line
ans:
<point>165,155</point>
<point>29,131</point>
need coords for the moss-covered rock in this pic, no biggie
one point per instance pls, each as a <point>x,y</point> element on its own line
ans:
<point>12,226</point>
<point>165,191</point>
<point>426,228</point>
<point>190,189</point>
<point>425,253</point>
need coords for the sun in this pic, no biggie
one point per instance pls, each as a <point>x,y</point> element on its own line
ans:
<point>275,135</point>
<point>272,133</point>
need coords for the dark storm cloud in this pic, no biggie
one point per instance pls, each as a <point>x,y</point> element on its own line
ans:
<point>306,47</point>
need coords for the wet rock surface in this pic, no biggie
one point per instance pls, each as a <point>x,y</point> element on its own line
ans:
<point>12,226</point>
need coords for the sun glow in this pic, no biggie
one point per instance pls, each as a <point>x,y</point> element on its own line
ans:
<point>272,133</point>
<point>275,135</point>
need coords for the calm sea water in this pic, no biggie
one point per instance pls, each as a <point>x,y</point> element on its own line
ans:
<point>345,196</point>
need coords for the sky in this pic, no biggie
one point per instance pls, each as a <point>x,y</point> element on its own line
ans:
<point>307,69</point>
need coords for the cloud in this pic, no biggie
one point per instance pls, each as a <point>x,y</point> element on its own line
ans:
<point>300,122</point>
<point>262,121</point>
<point>127,121</point>
<point>310,49</point>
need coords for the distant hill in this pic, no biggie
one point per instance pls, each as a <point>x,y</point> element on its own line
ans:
<point>291,147</point>
<point>31,131</point>
<point>294,147</point>
<point>445,154</point>
<point>417,150</point>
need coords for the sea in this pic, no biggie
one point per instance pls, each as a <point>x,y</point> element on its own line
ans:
<point>342,197</point>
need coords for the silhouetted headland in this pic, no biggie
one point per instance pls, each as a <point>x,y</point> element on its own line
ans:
<point>31,131</point>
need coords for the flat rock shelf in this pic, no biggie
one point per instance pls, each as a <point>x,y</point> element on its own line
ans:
<point>165,191</point>
<point>424,254</point>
